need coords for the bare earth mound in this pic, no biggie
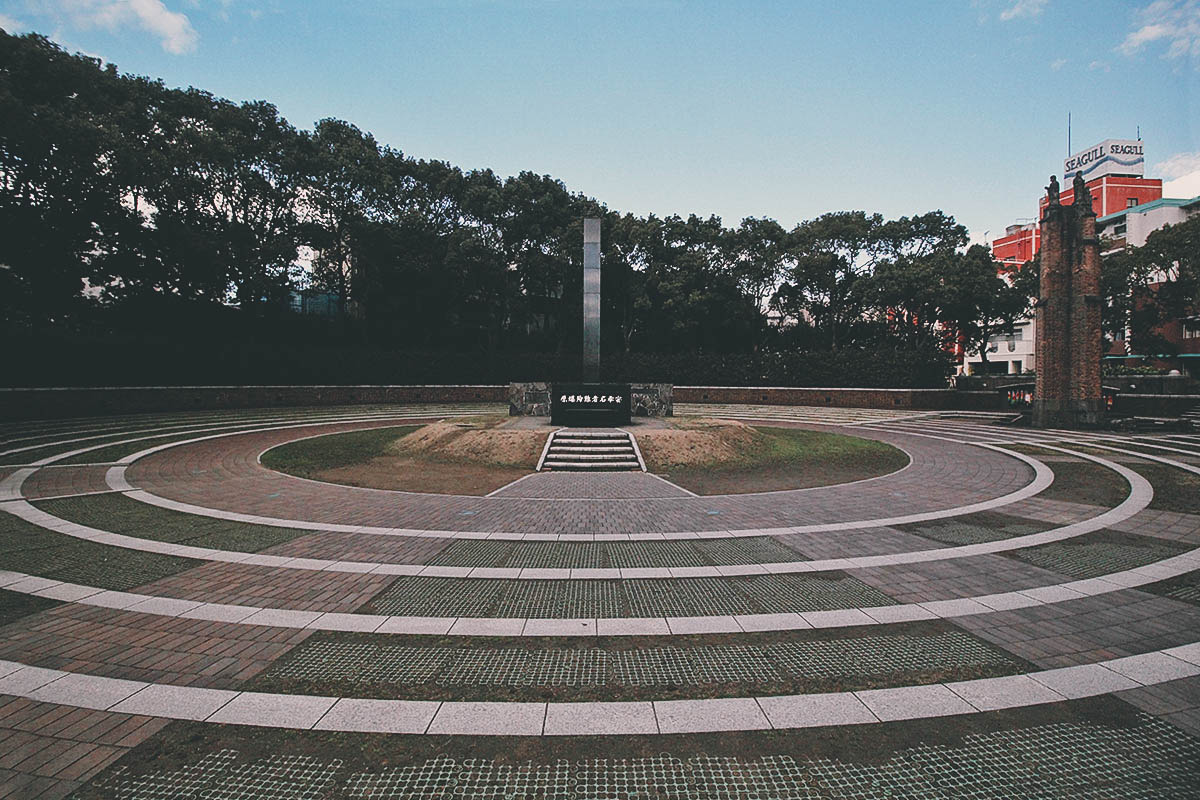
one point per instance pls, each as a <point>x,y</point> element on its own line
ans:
<point>471,456</point>
<point>711,456</point>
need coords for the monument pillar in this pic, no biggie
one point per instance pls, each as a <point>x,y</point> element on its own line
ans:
<point>1069,340</point>
<point>591,300</point>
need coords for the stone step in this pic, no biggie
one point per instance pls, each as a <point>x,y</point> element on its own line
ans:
<point>570,449</point>
<point>567,432</point>
<point>591,465</point>
<point>553,456</point>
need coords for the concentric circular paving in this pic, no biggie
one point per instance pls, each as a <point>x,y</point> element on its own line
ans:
<point>1008,589</point>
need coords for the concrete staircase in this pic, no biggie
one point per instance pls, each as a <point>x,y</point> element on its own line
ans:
<point>593,450</point>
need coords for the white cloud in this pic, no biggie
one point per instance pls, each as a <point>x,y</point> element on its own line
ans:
<point>1187,187</point>
<point>1181,173</point>
<point>174,29</point>
<point>1095,65</point>
<point>1173,22</point>
<point>1058,64</point>
<point>1178,165</point>
<point>1023,8</point>
<point>10,24</point>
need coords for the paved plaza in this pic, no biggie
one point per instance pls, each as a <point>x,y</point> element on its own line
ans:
<point>1013,614</point>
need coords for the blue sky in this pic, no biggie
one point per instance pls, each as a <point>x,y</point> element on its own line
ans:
<point>778,109</point>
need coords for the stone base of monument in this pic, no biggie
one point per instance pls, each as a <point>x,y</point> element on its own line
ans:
<point>590,405</point>
<point>1069,414</point>
<point>536,398</point>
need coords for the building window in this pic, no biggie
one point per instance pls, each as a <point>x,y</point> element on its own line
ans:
<point>1120,229</point>
<point>1131,202</point>
<point>1191,329</point>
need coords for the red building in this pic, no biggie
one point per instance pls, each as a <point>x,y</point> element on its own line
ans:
<point>1114,172</point>
<point>1019,244</point>
<point>1113,193</point>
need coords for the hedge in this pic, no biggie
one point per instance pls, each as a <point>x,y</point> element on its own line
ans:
<point>114,360</point>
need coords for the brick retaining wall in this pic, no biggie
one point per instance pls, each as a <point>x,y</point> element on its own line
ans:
<point>923,399</point>
<point>50,403</point>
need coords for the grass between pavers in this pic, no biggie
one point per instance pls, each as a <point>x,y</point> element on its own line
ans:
<point>1175,489</point>
<point>646,597</point>
<point>1098,747</point>
<point>1079,481</point>
<point>633,668</point>
<point>983,526</point>
<point>1098,553</point>
<point>15,605</point>
<point>602,555</point>
<point>46,554</point>
<point>787,458</point>
<point>1185,588</point>
<point>116,513</point>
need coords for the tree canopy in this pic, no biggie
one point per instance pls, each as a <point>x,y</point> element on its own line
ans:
<point>122,194</point>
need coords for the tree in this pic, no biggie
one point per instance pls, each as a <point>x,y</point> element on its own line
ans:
<point>342,185</point>
<point>982,302</point>
<point>760,259</point>
<point>830,256</point>
<point>60,208</point>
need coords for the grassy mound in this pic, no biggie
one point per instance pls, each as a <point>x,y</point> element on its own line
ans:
<point>710,456</point>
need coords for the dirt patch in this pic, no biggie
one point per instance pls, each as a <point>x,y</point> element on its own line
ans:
<point>480,442</point>
<point>424,475</point>
<point>696,442</point>
<point>472,456</point>
<point>710,456</point>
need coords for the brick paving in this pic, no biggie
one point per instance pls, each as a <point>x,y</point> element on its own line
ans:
<point>224,474</point>
<point>54,750</point>
<point>65,482</point>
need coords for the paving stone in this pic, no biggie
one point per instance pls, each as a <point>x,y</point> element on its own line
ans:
<point>176,702</point>
<point>1085,680</point>
<point>815,710</point>
<point>379,716</point>
<point>86,691</point>
<point>273,710</point>
<point>1010,691</point>
<point>496,719</point>
<point>1153,668</point>
<point>569,719</point>
<point>913,702</point>
<point>699,716</point>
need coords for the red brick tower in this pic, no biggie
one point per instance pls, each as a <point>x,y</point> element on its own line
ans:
<point>1068,314</point>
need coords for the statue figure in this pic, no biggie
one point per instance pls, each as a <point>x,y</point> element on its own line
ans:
<point>1082,195</point>
<point>1052,190</point>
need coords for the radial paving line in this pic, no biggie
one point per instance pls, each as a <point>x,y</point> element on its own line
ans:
<point>347,714</point>
<point>1140,495</point>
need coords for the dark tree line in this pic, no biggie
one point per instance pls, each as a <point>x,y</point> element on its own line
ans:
<point>122,199</point>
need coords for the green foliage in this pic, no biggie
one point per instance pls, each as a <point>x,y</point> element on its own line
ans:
<point>139,214</point>
<point>1146,287</point>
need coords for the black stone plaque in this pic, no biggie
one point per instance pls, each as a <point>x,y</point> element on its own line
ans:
<point>582,405</point>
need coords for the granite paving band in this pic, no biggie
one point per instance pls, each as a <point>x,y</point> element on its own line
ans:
<point>1045,595</point>
<point>598,718</point>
